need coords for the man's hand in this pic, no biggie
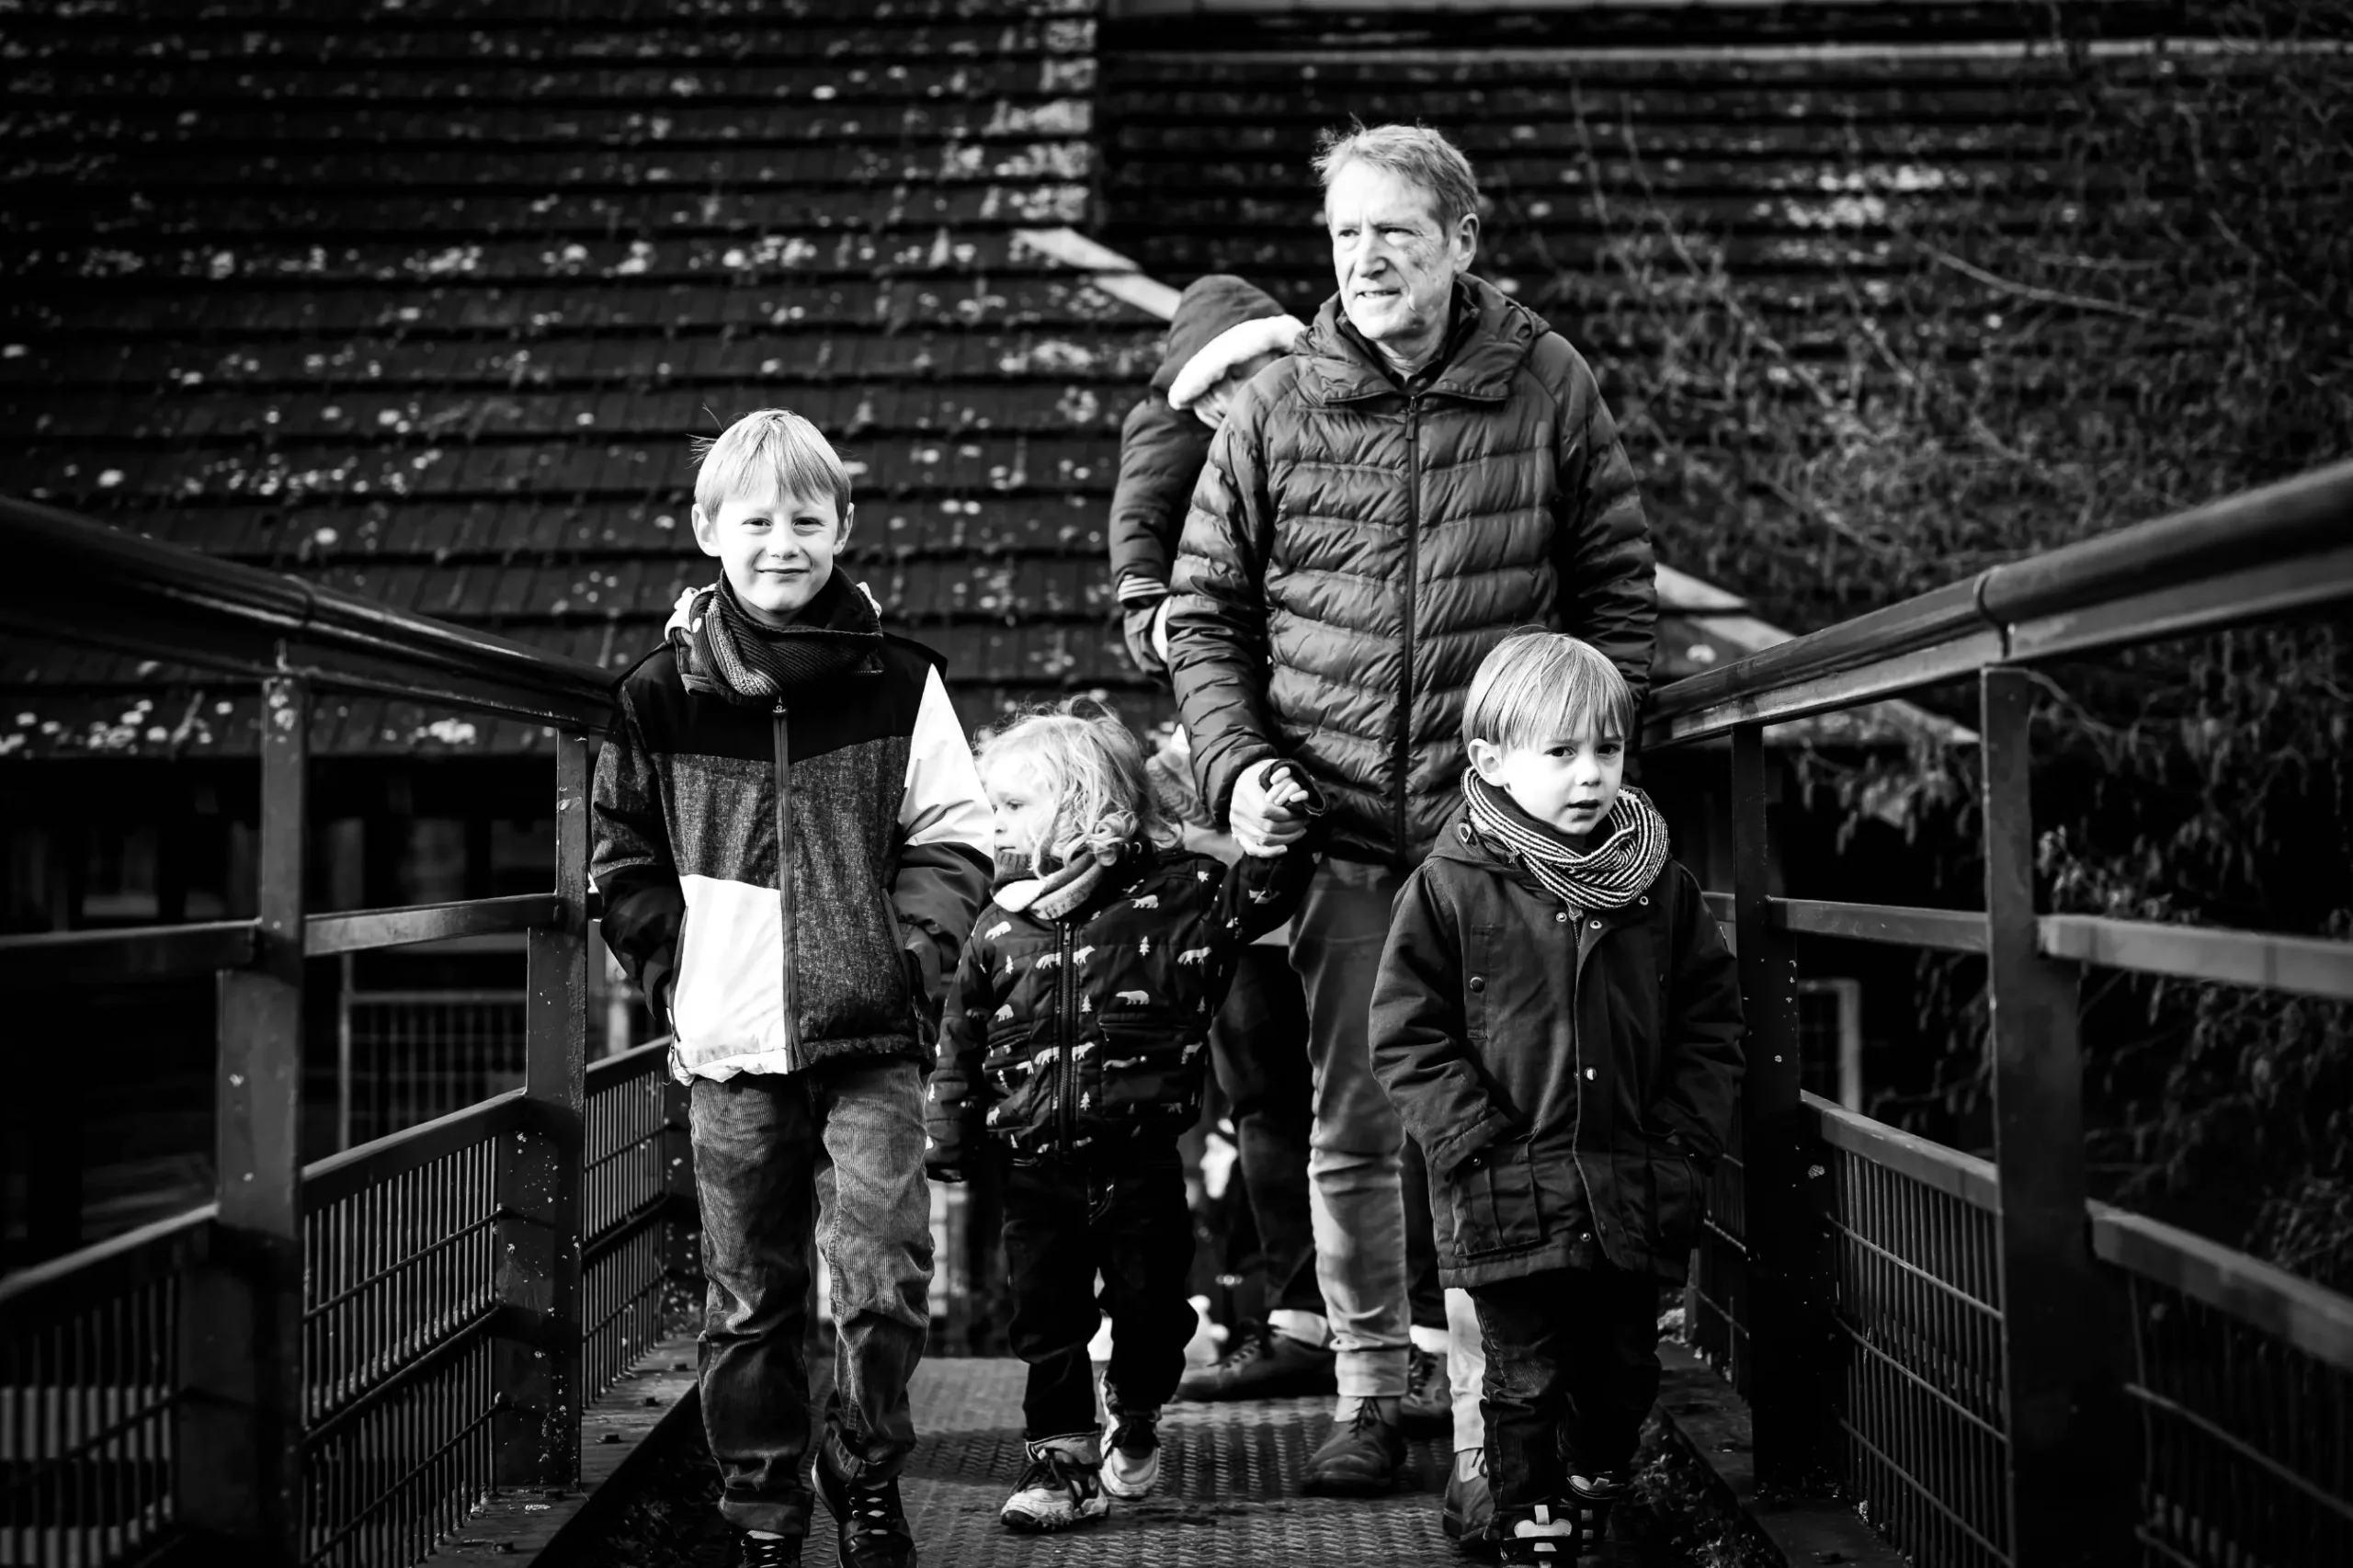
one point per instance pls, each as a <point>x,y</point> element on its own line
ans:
<point>1267,821</point>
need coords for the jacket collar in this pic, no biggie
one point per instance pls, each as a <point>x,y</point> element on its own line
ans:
<point>1491,336</point>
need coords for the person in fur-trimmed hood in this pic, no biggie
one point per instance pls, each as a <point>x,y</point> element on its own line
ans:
<point>1225,332</point>
<point>1558,1021</point>
<point>791,839</point>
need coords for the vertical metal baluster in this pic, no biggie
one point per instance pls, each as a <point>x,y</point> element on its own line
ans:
<point>540,1253</point>
<point>2069,1457</point>
<point>239,1447</point>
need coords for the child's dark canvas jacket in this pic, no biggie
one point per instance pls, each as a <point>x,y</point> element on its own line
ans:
<point>1063,1035</point>
<point>1570,1073</point>
<point>869,774</point>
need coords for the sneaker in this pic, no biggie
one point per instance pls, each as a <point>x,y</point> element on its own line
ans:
<point>1061,1487</point>
<point>1358,1458</point>
<point>1470,1505</point>
<point>1428,1404</point>
<point>873,1525</point>
<point>766,1551</point>
<point>1547,1534</point>
<point>1130,1451</point>
<point>1261,1364</point>
<point>1591,1500</point>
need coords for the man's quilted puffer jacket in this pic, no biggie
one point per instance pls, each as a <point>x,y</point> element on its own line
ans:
<point>1354,549</point>
<point>1061,1036</point>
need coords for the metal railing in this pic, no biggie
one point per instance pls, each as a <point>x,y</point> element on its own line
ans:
<point>1999,1371</point>
<point>330,1364</point>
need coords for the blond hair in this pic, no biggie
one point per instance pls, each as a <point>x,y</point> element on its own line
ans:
<point>1536,687</point>
<point>769,446</point>
<point>1414,153</point>
<point>1094,767</point>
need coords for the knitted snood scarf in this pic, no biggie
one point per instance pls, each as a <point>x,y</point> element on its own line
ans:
<point>836,632</point>
<point>1611,875</point>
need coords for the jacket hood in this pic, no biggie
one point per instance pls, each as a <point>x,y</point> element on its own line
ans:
<point>1209,307</point>
<point>1495,334</point>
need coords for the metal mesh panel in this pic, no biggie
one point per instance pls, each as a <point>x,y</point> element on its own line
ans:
<point>86,1408</point>
<point>420,1054</point>
<point>400,1290</point>
<point>2248,1439</point>
<point>1716,1303</point>
<point>1917,1400</point>
<point>635,1279</point>
<point>395,1473</point>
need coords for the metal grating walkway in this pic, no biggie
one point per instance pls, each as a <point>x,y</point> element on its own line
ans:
<point>1227,1494</point>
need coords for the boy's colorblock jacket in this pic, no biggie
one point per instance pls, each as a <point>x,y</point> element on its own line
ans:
<point>864,771</point>
<point>1570,1073</point>
<point>1062,1035</point>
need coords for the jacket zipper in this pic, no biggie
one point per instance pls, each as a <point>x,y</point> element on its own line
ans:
<point>1065,1001</point>
<point>1578,953</point>
<point>1412,565</point>
<point>780,727</point>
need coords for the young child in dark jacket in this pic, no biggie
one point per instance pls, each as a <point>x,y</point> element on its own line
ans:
<point>1073,1039</point>
<point>790,840</point>
<point>1557,1019</point>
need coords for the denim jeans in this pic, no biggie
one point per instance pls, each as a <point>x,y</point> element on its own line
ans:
<point>1066,1221</point>
<point>1259,1049</point>
<point>1571,1371</point>
<point>831,1157</point>
<point>1355,1193</point>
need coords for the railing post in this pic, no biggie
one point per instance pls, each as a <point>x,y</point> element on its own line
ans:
<point>540,1173</point>
<point>2071,1475</point>
<point>238,1449</point>
<point>1782,1397</point>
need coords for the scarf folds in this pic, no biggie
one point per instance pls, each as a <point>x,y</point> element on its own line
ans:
<point>1611,875</point>
<point>838,632</point>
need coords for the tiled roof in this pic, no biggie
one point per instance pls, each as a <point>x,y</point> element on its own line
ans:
<point>424,303</point>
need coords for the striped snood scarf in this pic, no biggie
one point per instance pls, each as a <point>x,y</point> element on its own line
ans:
<point>1611,875</point>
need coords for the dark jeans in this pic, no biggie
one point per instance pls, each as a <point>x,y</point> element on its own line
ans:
<point>1572,1370</point>
<point>787,1163</point>
<point>1067,1220</point>
<point>1258,1050</point>
<point>1425,1296</point>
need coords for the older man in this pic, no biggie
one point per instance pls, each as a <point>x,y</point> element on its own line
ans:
<point>1431,469</point>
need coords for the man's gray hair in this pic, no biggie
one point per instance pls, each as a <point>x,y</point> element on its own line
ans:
<point>1413,153</point>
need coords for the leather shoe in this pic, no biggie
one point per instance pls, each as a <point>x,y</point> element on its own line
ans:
<point>873,1525</point>
<point>1470,1505</point>
<point>1358,1458</point>
<point>1262,1365</point>
<point>1428,1404</point>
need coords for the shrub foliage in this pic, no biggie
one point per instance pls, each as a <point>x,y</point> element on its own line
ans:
<point>2155,311</point>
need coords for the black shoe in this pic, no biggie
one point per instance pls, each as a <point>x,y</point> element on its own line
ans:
<point>767,1551</point>
<point>873,1526</point>
<point>1428,1404</point>
<point>1358,1459</point>
<point>1575,1530</point>
<point>1262,1365</point>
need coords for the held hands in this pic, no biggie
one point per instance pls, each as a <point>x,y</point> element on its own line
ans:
<point>1267,818</point>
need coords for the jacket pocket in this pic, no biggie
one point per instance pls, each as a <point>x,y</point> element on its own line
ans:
<point>1679,1200</point>
<point>1149,1064</point>
<point>1494,1204</point>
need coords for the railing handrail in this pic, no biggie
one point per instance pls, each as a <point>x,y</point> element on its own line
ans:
<point>182,604</point>
<point>2313,1318</point>
<point>58,1286</point>
<point>2010,613</point>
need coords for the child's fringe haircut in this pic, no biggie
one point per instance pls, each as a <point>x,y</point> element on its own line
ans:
<point>771,447</point>
<point>1093,766</point>
<point>1536,687</point>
